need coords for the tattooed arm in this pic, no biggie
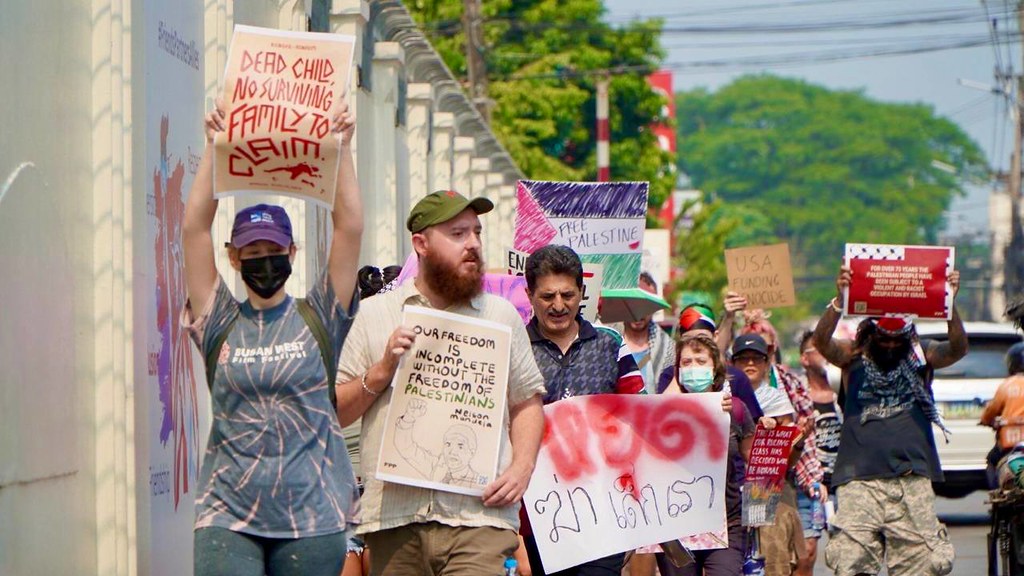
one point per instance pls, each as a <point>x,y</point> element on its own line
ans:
<point>837,351</point>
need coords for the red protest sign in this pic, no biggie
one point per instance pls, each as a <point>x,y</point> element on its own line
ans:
<point>766,472</point>
<point>279,90</point>
<point>894,280</point>
<point>769,453</point>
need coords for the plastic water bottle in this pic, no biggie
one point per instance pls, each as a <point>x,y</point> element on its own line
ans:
<point>511,567</point>
<point>817,512</point>
<point>830,512</point>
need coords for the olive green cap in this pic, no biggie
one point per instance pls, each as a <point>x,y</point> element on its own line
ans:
<point>442,206</point>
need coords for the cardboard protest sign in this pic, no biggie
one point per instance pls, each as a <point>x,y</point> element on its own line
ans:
<point>892,280</point>
<point>279,89</point>
<point>447,413</point>
<point>766,473</point>
<point>593,278</point>
<point>602,221</point>
<point>763,274</point>
<point>616,472</point>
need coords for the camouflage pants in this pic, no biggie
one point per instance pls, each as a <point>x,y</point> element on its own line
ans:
<point>891,520</point>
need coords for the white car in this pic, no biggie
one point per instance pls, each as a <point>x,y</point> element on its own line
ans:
<point>961,391</point>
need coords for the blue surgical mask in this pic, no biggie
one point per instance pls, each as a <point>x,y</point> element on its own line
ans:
<point>696,378</point>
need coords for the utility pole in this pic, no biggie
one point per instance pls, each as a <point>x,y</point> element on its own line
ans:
<point>603,133</point>
<point>1013,276</point>
<point>472,24</point>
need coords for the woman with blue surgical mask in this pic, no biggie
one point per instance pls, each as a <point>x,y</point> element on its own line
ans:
<point>699,369</point>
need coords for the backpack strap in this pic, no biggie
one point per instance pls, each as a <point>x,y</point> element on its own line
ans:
<point>324,343</point>
<point>214,354</point>
<point>319,333</point>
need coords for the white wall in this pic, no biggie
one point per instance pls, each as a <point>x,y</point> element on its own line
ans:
<point>48,360</point>
<point>87,468</point>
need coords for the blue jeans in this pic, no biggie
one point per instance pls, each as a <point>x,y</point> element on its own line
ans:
<point>221,552</point>
<point>803,506</point>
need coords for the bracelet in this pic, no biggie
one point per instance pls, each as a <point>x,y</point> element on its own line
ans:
<point>834,304</point>
<point>367,388</point>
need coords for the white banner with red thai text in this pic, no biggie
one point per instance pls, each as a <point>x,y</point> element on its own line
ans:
<point>616,472</point>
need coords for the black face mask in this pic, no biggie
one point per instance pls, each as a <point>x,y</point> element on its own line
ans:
<point>266,275</point>
<point>889,358</point>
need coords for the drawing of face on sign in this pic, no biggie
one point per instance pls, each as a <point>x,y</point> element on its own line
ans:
<point>459,448</point>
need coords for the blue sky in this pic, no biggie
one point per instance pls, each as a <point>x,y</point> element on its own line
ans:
<point>717,56</point>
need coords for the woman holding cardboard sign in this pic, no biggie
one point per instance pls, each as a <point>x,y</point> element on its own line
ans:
<point>276,490</point>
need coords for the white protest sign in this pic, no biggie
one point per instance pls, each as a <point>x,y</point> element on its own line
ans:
<point>593,279</point>
<point>515,261</point>
<point>617,472</point>
<point>587,235</point>
<point>445,422</point>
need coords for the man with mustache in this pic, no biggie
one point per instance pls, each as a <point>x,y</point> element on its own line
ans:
<point>575,358</point>
<point>887,459</point>
<point>414,531</point>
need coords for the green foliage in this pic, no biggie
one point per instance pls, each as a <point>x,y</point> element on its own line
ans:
<point>700,250</point>
<point>543,59</point>
<point>822,168</point>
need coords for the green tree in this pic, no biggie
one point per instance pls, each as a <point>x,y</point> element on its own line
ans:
<point>699,250</point>
<point>543,58</point>
<point>824,167</point>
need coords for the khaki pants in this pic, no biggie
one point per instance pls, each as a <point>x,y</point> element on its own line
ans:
<point>431,548</point>
<point>892,519</point>
<point>782,543</point>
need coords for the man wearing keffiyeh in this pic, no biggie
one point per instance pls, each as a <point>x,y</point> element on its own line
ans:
<point>887,458</point>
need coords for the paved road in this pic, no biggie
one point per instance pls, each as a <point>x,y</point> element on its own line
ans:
<point>967,519</point>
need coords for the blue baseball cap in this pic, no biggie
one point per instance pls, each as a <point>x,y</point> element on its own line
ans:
<point>261,222</point>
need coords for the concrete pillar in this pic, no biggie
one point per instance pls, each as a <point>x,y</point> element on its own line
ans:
<point>111,416</point>
<point>478,169</point>
<point>380,240</point>
<point>419,102</point>
<point>402,202</point>
<point>350,17</point>
<point>461,164</point>
<point>496,241</point>
<point>441,152</point>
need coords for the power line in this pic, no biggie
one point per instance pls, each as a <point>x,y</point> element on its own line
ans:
<point>869,21</point>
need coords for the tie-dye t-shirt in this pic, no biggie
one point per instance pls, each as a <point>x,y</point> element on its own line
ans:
<point>276,464</point>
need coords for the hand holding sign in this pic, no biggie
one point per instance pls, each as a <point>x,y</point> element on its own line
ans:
<point>896,280</point>
<point>214,121</point>
<point>343,121</point>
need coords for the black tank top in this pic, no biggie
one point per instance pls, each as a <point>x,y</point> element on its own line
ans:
<point>873,446</point>
<point>828,426</point>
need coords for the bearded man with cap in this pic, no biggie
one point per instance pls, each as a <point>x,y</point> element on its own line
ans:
<point>411,530</point>
<point>887,458</point>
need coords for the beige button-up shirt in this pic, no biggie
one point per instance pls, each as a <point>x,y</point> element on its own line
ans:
<point>386,505</point>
